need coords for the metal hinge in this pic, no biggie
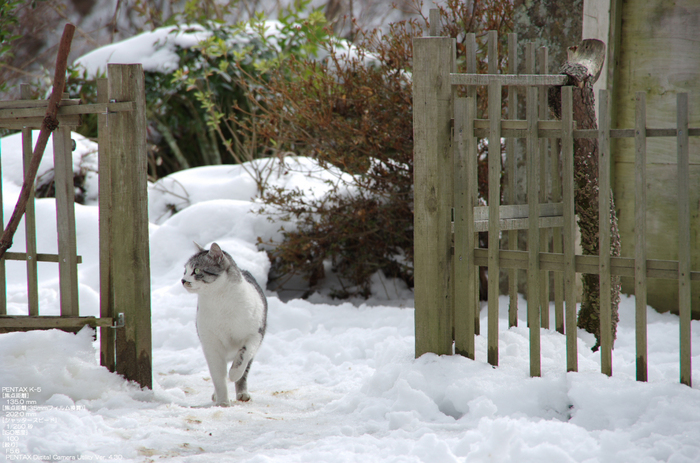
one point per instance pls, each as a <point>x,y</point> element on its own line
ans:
<point>119,322</point>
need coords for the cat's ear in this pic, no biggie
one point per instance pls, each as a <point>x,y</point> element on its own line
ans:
<point>216,253</point>
<point>199,246</point>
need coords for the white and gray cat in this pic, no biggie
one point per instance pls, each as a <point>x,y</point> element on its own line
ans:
<point>231,317</point>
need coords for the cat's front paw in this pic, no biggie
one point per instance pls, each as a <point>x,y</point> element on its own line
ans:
<point>243,397</point>
<point>224,403</point>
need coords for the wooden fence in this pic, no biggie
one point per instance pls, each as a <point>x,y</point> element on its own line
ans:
<point>446,133</point>
<point>125,304</point>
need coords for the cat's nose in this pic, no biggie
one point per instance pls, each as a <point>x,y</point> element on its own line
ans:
<point>184,282</point>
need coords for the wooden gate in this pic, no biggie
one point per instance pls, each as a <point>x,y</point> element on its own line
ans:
<point>448,217</point>
<point>125,304</point>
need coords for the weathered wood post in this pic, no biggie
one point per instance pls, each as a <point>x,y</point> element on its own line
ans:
<point>542,60</point>
<point>511,169</point>
<point>606,322</point>
<point>129,249</point>
<point>107,335</point>
<point>533,233</point>
<point>3,289</point>
<point>30,217</point>
<point>640,223</point>
<point>568,195</point>
<point>684,248</point>
<point>434,58</point>
<point>466,303</point>
<point>494,176</point>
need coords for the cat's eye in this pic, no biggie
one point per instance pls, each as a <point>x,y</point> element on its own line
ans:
<point>196,271</point>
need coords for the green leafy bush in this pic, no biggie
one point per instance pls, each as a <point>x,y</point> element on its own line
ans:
<point>188,111</point>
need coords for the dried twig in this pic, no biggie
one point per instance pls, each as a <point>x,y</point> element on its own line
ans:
<point>49,124</point>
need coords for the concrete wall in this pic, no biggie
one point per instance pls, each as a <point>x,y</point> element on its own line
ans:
<point>655,47</point>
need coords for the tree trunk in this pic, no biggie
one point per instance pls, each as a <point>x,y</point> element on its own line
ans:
<point>587,209</point>
<point>586,197</point>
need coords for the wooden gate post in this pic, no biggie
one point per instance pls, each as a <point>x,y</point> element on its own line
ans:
<point>130,264</point>
<point>434,58</point>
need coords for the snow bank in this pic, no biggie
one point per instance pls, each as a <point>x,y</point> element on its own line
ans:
<point>331,382</point>
<point>339,383</point>
<point>155,50</point>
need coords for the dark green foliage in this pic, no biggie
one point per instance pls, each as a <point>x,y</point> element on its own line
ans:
<point>9,23</point>
<point>187,110</point>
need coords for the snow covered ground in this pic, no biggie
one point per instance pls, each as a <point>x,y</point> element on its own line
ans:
<point>332,382</point>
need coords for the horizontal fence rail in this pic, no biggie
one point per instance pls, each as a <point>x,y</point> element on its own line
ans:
<point>553,129</point>
<point>556,220</point>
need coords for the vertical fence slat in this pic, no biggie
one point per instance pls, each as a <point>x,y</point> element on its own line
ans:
<point>107,358</point>
<point>557,236</point>
<point>494,182</point>
<point>470,46</point>
<point>434,59</point>
<point>604,234</point>
<point>30,218</point>
<point>511,169</point>
<point>465,283</point>
<point>640,232</point>
<point>473,238</point>
<point>684,250</point>
<point>567,159</point>
<point>434,19</point>
<point>557,246</point>
<point>3,289</point>
<point>533,236</point>
<point>65,218</point>
<point>543,66</point>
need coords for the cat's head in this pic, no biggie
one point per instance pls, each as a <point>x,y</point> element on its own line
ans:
<point>206,267</point>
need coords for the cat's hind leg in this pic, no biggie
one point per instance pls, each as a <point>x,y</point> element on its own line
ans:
<point>239,372</point>
<point>242,385</point>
